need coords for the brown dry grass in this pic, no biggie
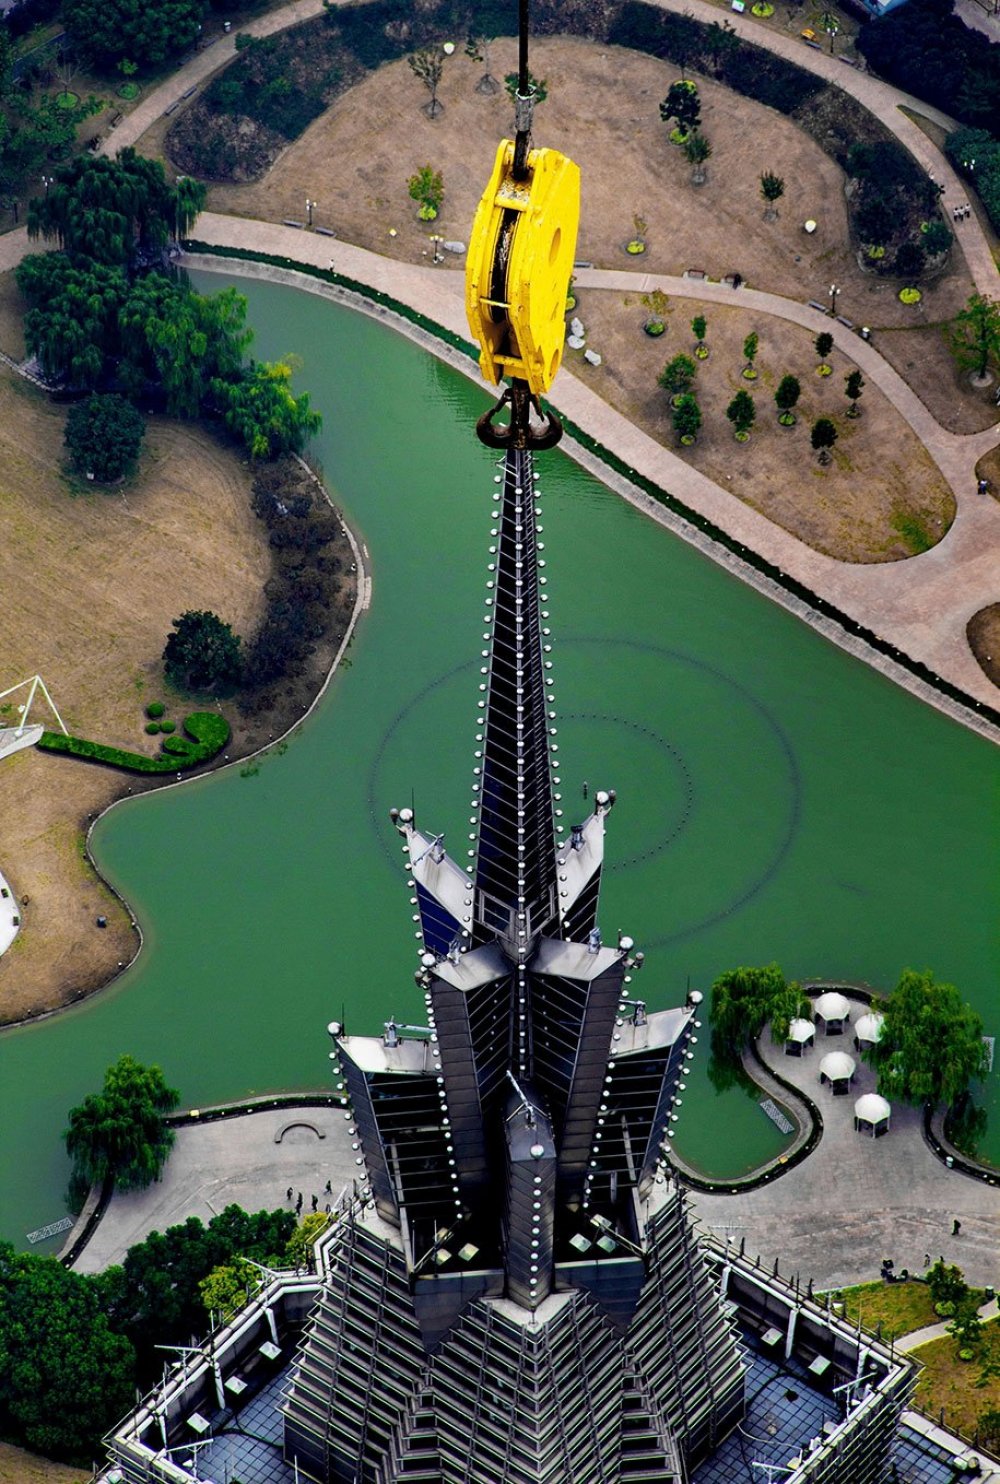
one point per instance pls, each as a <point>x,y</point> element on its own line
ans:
<point>98,579</point>
<point>19,1467</point>
<point>603,109</point>
<point>851,509</point>
<point>947,1382</point>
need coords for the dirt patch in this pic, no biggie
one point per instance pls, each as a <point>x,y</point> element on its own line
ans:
<point>864,507</point>
<point>19,1467</point>
<point>12,309</point>
<point>983,634</point>
<point>923,358</point>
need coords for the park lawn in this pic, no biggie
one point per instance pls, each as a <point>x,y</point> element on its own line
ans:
<point>20,1467</point>
<point>899,1307</point>
<point>948,1382</point>
<point>99,577</point>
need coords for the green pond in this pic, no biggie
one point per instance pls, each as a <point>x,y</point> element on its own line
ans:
<point>777,799</point>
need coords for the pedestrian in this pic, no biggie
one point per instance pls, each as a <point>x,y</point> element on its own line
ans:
<point>328,1189</point>
<point>298,1204</point>
<point>956,1227</point>
<point>327,1208</point>
<point>586,788</point>
<point>984,486</point>
<point>315,1202</point>
<point>927,1259</point>
<point>288,1194</point>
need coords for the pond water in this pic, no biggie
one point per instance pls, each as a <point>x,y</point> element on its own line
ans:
<point>777,799</point>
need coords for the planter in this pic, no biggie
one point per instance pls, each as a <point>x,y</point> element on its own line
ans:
<point>570,303</point>
<point>427,213</point>
<point>787,419</point>
<point>654,327</point>
<point>129,91</point>
<point>762,10</point>
<point>687,440</point>
<point>743,435</point>
<point>749,373</point>
<point>701,352</point>
<point>910,296</point>
<point>67,99</point>
<point>824,370</point>
<point>635,247</point>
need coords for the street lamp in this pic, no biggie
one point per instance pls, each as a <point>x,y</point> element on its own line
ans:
<point>437,240</point>
<point>46,182</point>
<point>310,207</point>
<point>834,291</point>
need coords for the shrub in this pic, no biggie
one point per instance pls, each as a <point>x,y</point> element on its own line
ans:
<point>155,710</point>
<point>208,731</point>
<point>168,726</point>
<point>151,728</point>
<point>104,435</point>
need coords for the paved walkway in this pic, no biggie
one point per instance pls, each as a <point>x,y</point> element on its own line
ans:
<point>248,1161</point>
<point>921,606</point>
<point>919,1337</point>
<point>856,1199</point>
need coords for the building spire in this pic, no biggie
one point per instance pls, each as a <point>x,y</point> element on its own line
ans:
<point>515,877</point>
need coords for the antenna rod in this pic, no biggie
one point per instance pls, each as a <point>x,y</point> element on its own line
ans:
<point>524,102</point>
<point>522,48</point>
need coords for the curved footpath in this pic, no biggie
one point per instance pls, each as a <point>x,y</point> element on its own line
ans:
<point>919,606</point>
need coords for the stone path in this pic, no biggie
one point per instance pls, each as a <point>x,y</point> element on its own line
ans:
<point>856,1199</point>
<point>248,1161</point>
<point>919,1337</point>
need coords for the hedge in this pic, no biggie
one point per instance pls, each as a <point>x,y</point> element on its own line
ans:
<point>612,461</point>
<point>207,734</point>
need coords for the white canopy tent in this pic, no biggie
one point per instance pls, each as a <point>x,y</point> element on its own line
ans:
<point>801,1034</point>
<point>872,1114</point>
<point>834,1010</point>
<point>838,1069</point>
<point>868,1028</point>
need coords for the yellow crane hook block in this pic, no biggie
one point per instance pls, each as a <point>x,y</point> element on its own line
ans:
<point>518,268</point>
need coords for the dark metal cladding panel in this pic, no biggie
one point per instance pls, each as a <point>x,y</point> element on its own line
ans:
<point>615,1284</point>
<point>461,1085</point>
<point>530,1212</point>
<point>439,927</point>
<point>369,1138</point>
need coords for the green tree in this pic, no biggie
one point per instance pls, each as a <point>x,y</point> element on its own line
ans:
<point>946,1283</point>
<point>697,150</point>
<point>823,437</point>
<point>103,436</point>
<point>107,31</point>
<point>120,1131</point>
<point>181,341</point>
<point>824,345</point>
<point>263,411</point>
<point>227,1288</point>
<point>745,1000</point>
<point>750,347</point>
<point>65,1376</point>
<point>686,418</point>
<point>537,87</point>
<point>427,187</point>
<point>155,1296</point>
<point>854,384</point>
<point>304,1237</point>
<point>428,65</point>
<point>71,324</point>
<point>786,398</point>
<point>931,1047</point>
<point>678,375</point>
<point>975,336</point>
<point>683,105</point>
<point>772,188</point>
<point>699,328</point>
<point>937,238</point>
<point>202,653</point>
<point>111,210</point>
<point>741,412</point>
<point>478,48</point>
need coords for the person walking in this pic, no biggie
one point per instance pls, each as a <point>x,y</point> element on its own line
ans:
<point>298,1204</point>
<point>288,1194</point>
<point>956,1227</point>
